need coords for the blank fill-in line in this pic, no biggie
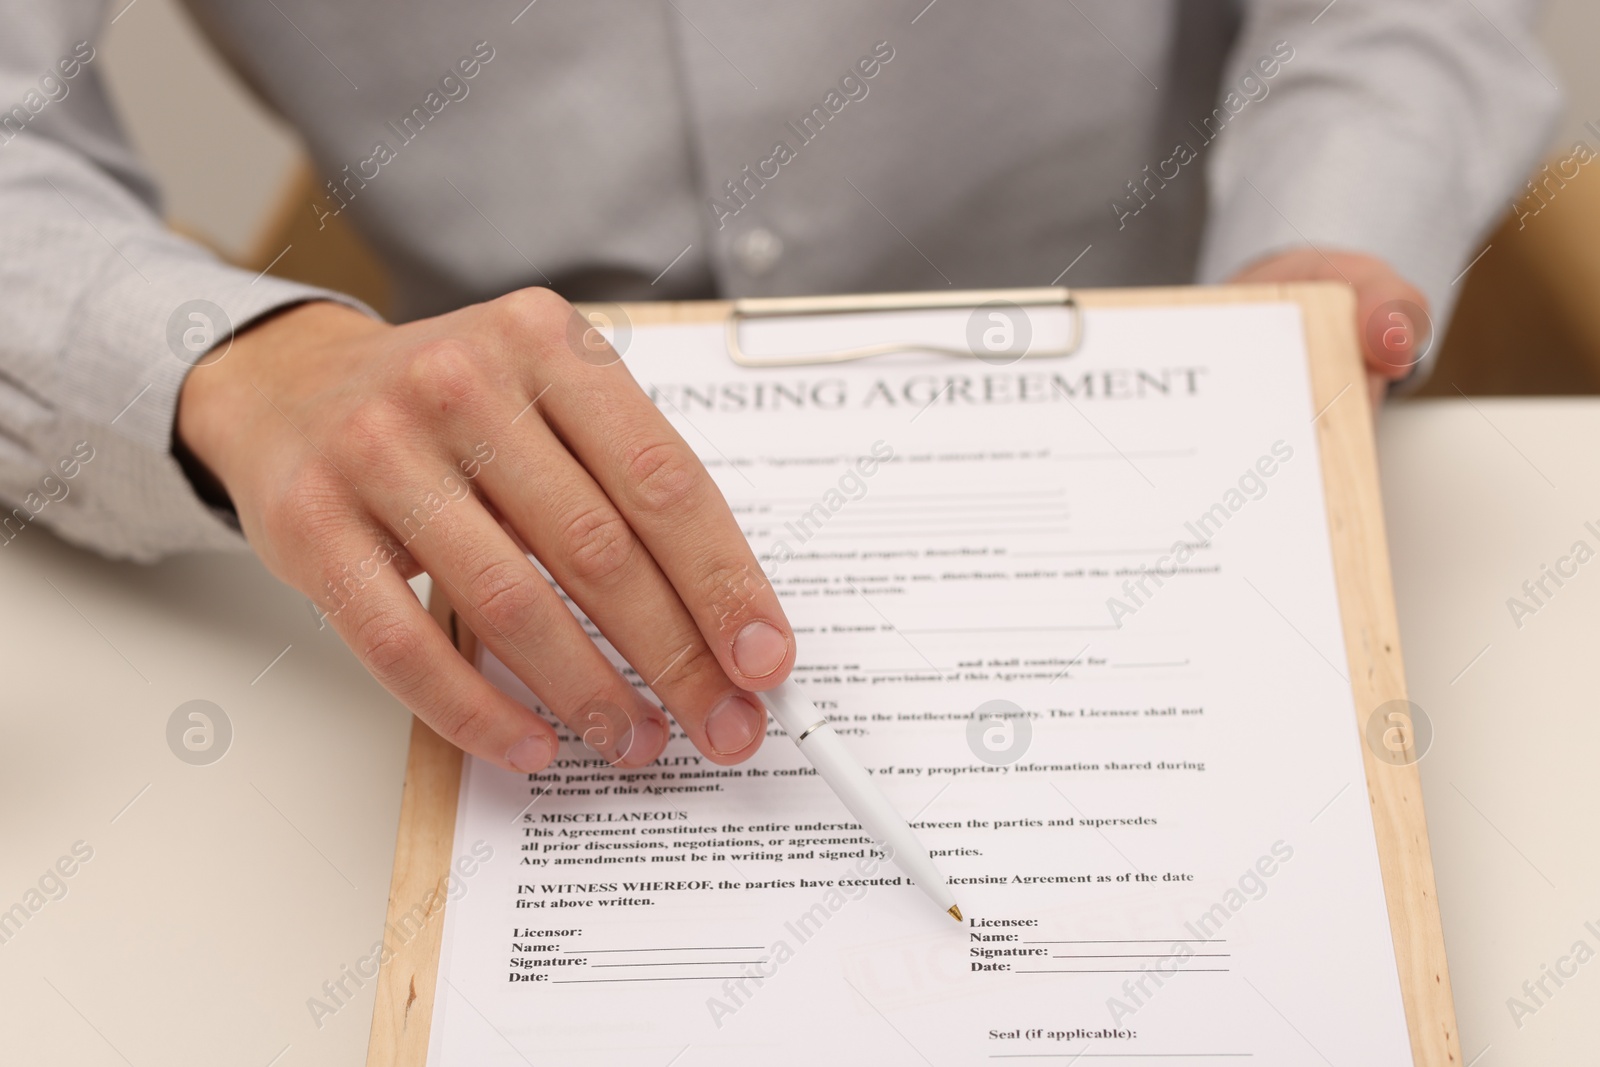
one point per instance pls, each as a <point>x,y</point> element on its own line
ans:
<point>1084,552</point>
<point>1135,955</point>
<point>1123,1056</point>
<point>661,978</point>
<point>683,963</point>
<point>1132,941</point>
<point>1122,970</point>
<point>902,535</point>
<point>1006,629</point>
<point>860,506</point>
<point>922,512</point>
<point>693,948</point>
<point>947,523</point>
<point>1180,453</point>
<point>942,525</point>
<point>1029,494</point>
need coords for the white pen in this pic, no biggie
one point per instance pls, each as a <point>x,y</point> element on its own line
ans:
<point>812,735</point>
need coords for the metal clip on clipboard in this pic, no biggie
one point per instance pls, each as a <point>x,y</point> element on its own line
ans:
<point>786,306</point>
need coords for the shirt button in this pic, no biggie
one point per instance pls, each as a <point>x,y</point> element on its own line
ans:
<point>757,250</point>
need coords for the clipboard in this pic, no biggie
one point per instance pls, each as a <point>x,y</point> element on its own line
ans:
<point>407,980</point>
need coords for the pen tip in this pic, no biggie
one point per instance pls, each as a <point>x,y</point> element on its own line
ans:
<point>955,913</point>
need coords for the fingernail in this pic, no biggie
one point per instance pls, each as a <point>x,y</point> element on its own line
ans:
<point>532,753</point>
<point>759,649</point>
<point>641,744</point>
<point>734,723</point>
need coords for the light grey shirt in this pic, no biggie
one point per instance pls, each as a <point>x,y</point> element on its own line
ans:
<point>623,149</point>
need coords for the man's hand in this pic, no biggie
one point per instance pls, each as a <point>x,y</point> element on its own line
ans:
<point>358,454</point>
<point>1392,340</point>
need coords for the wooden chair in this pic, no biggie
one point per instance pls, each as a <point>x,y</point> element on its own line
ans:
<point>303,247</point>
<point>1528,320</point>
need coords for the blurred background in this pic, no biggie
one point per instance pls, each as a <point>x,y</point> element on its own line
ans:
<point>1528,321</point>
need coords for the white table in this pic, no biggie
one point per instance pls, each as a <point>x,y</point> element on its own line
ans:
<point>1478,495</point>
<point>224,895</point>
<point>220,898</point>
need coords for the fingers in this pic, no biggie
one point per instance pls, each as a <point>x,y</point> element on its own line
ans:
<point>591,550</point>
<point>1396,331</point>
<point>513,610</point>
<point>1391,314</point>
<point>668,499</point>
<point>404,649</point>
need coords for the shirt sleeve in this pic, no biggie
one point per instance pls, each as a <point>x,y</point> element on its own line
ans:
<point>1396,128</point>
<point>103,310</point>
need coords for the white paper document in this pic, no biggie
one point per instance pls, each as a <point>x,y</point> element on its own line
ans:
<point>1077,615</point>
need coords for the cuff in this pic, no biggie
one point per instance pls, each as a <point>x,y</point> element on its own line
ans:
<point>137,335</point>
<point>1326,196</point>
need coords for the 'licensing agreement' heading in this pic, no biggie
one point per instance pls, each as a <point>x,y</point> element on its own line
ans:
<point>924,390</point>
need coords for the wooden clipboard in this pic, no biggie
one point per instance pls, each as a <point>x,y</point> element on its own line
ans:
<point>407,981</point>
